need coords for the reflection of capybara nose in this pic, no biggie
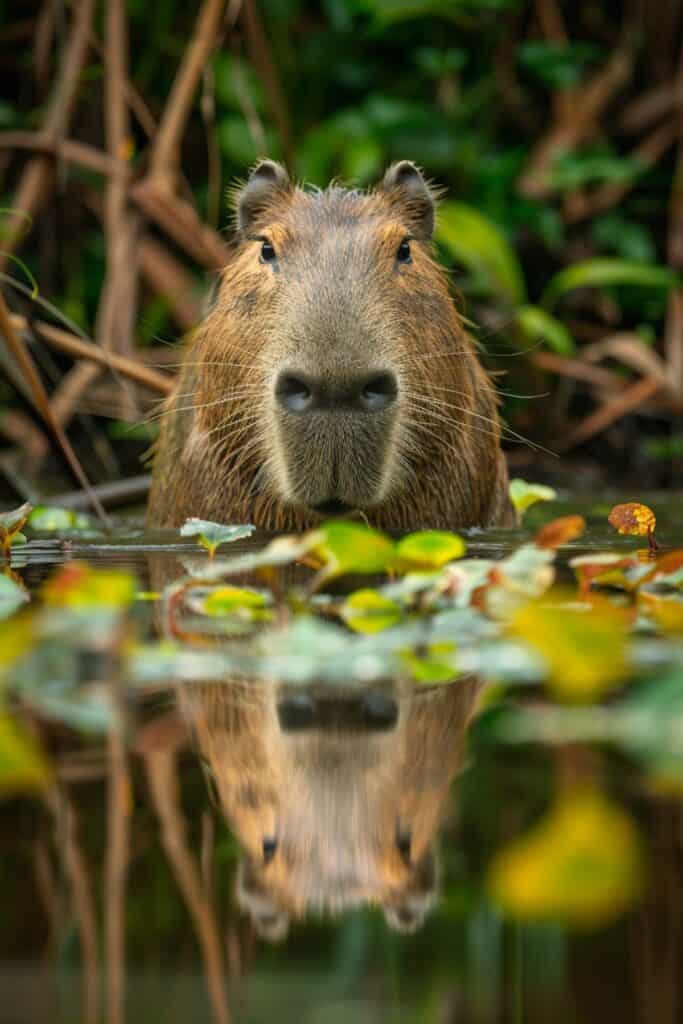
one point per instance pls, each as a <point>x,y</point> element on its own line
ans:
<point>302,393</point>
<point>371,711</point>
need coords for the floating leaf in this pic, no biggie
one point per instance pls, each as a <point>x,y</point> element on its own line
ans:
<point>78,586</point>
<point>608,569</point>
<point>368,611</point>
<point>430,549</point>
<point>666,611</point>
<point>352,547</point>
<point>523,494</point>
<point>599,272</point>
<point>560,531</point>
<point>480,245</point>
<point>12,596</point>
<point>537,325</point>
<point>582,864</point>
<point>11,524</point>
<point>23,766</point>
<point>633,519</point>
<point>585,649</point>
<point>212,535</point>
<point>227,600</point>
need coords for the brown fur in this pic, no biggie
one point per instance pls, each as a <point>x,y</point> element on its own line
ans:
<point>334,800</point>
<point>337,303</point>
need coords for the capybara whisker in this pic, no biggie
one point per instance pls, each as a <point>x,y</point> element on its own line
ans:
<point>320,376</point>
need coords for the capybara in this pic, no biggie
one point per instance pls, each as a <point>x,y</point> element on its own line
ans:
<point>336,796</point>
<point>332,374</point>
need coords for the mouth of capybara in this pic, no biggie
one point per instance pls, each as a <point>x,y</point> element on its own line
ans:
<point>332,507</point>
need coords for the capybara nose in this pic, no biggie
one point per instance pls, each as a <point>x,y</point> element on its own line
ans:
<point>300,393</point>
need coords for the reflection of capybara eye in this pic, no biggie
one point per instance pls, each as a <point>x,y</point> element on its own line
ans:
<point>268,254</point>
<point>403,254</point>
<point>269,849</point>
<point>404,844</point>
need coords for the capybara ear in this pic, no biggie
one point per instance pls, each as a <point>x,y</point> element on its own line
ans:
<point>404,182</point>
<point>266,181</point>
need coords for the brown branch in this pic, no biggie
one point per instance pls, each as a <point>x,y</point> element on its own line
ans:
<point>259,50</point>
<point>168,278</point>
<point>67,150</point>
<point>165,159</point>
<point>178,219</point>
<point>162,777</point>
<point>609,412</point>
<point>78,875</point>
<point>580,205</point>
<point>42,403</point>
<point>35,181</point>
<point>578,121</point>
<point>577,370</point>
<point>79,349</point>
<point>118,840</point>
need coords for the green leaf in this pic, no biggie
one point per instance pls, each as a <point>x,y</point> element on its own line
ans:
<point>23,766</point>
<point>436,665</point>
<point>523,494</point>
<point>480,245</point>
<point>50,519</point>
<point>351,547</point>
<point>228,600</point>
<point>12,596</point>
<point>430,549</point>
<point>11,524</point>
<point>537,325</point>
<point>559,65</point>
<point>598,273</point>
<point>368,611</point>
<point>212,535</point>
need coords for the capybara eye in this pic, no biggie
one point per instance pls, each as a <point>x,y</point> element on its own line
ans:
<point>268,254</point>
<point>269,849</point>
<point>403,252</point>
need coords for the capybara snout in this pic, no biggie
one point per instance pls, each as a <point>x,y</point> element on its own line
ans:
<point>332,373</point>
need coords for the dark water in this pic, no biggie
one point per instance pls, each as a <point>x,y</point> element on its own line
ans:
<point>249,850</point>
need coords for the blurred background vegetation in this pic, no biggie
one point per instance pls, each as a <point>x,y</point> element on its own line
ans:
<point>554,127</point>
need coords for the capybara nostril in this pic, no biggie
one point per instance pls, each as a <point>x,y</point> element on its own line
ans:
<point>379,392</point>
<point>294,393</point>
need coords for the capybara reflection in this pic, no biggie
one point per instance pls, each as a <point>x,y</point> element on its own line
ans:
<point>333,372</point>
<point>335,796</point>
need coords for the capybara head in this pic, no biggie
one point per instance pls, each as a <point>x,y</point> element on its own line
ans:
<point>332,373</point>
<point>335,795</point>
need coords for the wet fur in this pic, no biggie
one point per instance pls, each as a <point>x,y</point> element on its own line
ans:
<point>220,453</point>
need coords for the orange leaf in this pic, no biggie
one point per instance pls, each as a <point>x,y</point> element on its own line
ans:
<point>632,518</point>
<point>560,531</point>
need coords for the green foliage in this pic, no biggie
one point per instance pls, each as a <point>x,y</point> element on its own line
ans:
<point>212,535</point>
<point>523,494</point>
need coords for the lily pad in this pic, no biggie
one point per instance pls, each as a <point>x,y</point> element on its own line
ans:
<point>212,535</point>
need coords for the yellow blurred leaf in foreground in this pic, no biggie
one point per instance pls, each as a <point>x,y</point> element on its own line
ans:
<point>582,864</point>
<point>585,648</point>
<point>23,766</point>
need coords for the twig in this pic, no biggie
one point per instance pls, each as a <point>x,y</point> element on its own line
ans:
<point>165,158</point>
<point>578,121</point>
<point>42,404</point>
<point>79,349</point>
<point>162,777</point>
<point>68,150</point>
<point>614,409</point>
<point>119,492</point>
<point>260,52</point>
<point>118,828</point>
<point>577,370</point>
<point>35,180</point>
<point>579,205</point>
<point>180,221</point>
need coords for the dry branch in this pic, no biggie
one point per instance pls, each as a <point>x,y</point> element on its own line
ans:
<point>35,182</point>
<point>42,403</point>
<point>609,412</point>
<point>162,777</point>
<point>165,160</point>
